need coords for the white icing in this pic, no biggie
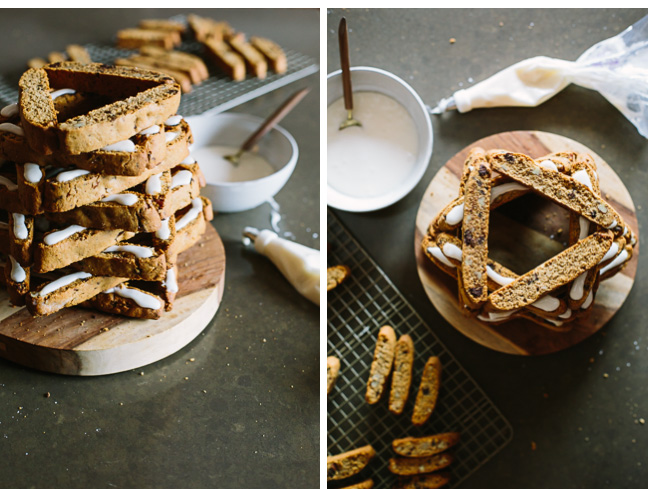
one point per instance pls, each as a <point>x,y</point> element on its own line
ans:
<point>577,289</point>
<point>497,278</point>
<point>554,322</point>
<point>154,184</point>
<point>62,282</point>
<point>164,232</point>
<point>495,316</point>
<point>138,251</point>
<point>58,236</point>
<point>438,254</point>
<point>583,177</point>
<point>174,120</point>
<point>32,172</point>
<point>141,299</point>
<point>505,188</point>
<point>584,227</point>
<point>623,256</point>
<point>125,146</point>
<point>10,110</point>
<point>18,273</point>
<point>196,209</point>
<point>171,282</point>
<point>150,130</point>
<point>63,91</point>
<point>549,165</point>
<point>614,249</point>
<point>19,228</point>
<point>66,176</point>
<point>123,199</point>
<point>566,315</point>
<point>611,226</point>
<point>588,301</point>
<point>5,182</point>
<point>183,177</point>
<point>452,251</point>
<point>455,216</point>
<point>171,135</point>
<point>13,128</point>
<point>189,160</point>
<point>547,303</point>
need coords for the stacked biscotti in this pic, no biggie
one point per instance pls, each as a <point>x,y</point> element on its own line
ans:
<point>559,290</point>
<point>98,191</point>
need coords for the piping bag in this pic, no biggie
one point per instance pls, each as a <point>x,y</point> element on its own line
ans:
<point>617,68</point>
<point>298,263</point>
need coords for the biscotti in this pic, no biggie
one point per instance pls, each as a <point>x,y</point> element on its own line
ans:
<point>273,53</point>
<point>332,372</point>
<point>402,375</point>
<point>428,391</point>
<point>134,38</point>
<point>226,59</point>
<point>430,481</point>
<point>254,60</point>
<point>381,365</point>
<point>419,465</point>
<point>425,446</point>
<point>349,463</point>
<point>335,275</point>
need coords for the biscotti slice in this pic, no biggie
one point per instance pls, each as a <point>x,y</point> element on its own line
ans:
<point>21,237</point>
<point>228,61</point>
<point>368,484</point>
<point>552,274</point>
<point>420,465</point>
<point>36,62</point>
<point>189,225</point>
<point>56,57</point>
<point>193,64</point>
<point>431,481</point>
<point>37,112</point>
<point>335,275</point>
<point>332,371</point>
<point>204,28</point>
<point>428,391</point>
<point>146,63</point>
<point>162,25</point>
<point>16,280</point>
<point>381,365</point>
<point>349,463</point>
<point>425,446</point>
<point>133,38</point>
<point>272,52</point>
<point>254,60</point>
<point>562,189</point>
<point>129,301</point>
<point>402,376</point>
<point>473,277</point>
<point>66,291</point>
<point>125,259</point>
<point>78,54</point>
<point>616,258</point>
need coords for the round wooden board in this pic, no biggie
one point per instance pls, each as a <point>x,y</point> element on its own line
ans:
<point>78,341</point>
<point>520,336</point>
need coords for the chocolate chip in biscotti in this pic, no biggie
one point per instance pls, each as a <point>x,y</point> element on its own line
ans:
<point>428,392</point>
<point>382,364</point>
<point>349,463</point>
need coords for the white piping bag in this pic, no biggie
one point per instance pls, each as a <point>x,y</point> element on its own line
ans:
<point>617,68</point>
<point>298,263</point>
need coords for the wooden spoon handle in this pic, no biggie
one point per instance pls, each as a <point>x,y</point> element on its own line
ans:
<point>343,36</point>
<point>271,121</point>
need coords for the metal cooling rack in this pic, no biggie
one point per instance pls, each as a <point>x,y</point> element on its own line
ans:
<point>357,309</point>
<point>216,94</point>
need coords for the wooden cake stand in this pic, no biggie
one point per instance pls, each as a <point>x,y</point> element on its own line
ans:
<point>78,341</point>
<point>523,234</point>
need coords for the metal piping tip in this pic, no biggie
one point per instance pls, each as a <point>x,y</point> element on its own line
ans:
<point>250,234</point>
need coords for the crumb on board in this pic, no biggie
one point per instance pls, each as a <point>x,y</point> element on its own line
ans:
<point>452,40</point>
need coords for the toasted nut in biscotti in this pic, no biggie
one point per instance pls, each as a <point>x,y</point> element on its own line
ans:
<point>348,463</point>
<point>381,366</point>
<point>428,392</point>
<point>402,376</point>
<point>419,465</point>
<point>332,372</point>
<point>431,481</point>
<point>425,446</point>
<point>335,275</point>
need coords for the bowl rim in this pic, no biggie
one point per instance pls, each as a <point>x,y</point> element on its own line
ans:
<point>376,203</point>
<point>287,167</point>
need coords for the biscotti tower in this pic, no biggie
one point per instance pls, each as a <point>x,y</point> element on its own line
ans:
<point>98,190</point>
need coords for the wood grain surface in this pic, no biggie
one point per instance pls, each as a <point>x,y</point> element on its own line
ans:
<point>523,234</point>
<point>79,341</point>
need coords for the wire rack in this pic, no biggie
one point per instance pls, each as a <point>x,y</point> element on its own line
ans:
<point>357,309</point>
<point>216,94</point>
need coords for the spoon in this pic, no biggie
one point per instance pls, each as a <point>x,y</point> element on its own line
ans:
<point>343,36</point>
<point>268,124</point>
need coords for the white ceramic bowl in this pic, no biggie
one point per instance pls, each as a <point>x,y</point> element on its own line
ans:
<point>368,79</point>
<point>278,147</point>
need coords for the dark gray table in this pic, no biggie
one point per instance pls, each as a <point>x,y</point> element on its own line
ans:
<point>245,411</point>
<point>587,429</point>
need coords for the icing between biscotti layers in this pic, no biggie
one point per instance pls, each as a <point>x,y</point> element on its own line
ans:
<point>183,177</point>
<point>189,160</point>
<point>171,135</point>
<point>196,209</point>
<point>138,251</point>
<point>19,227</point>
<point>123,199</point>
<point>174,120</point>
<point>456,214</point>
<point>125,146</point>
<point>18,273</point>
<point>154,184</point>
<point>68,175</point>
<point>12,128</point>
<point>620,259</point>
<point>32,172</point>
<point>63,91</point>
<point>62,282</point>
<point>164,231</point>
<point>8,184</point>
<point>10,110</point>
<point>154,129</point>
<point>577,288</point>
<point>58,236</point>
<point>170,281</point>
<point>140,298</point>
